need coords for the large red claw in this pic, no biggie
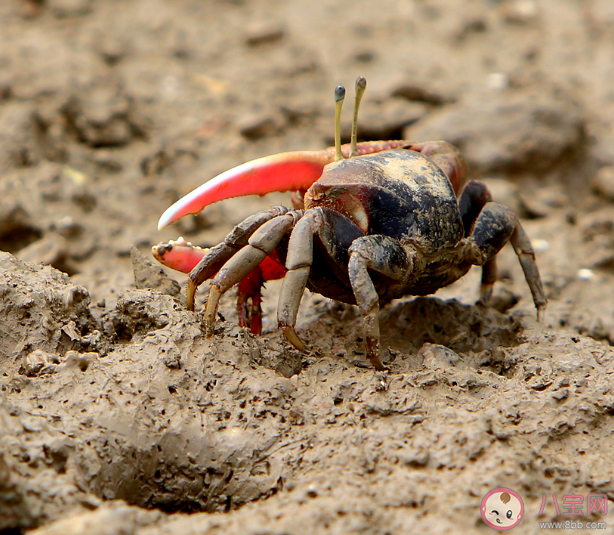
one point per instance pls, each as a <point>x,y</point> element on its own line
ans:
<point>288,171</point>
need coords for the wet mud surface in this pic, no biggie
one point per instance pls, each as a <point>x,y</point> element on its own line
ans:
<point>117,414</point>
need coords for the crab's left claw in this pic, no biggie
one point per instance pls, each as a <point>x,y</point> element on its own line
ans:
<point>288,171</point>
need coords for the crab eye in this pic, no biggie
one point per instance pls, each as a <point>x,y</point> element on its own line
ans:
<point>509,514</point>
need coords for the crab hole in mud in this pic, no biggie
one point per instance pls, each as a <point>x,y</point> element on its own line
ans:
<point>19,237</point>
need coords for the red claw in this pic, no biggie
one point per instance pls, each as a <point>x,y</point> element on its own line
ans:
<point>179,255</point>
<point>288,171</point>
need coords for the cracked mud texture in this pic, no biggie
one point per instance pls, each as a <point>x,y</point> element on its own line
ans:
<point>117,415</point>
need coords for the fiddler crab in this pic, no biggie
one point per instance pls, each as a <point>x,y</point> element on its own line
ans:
<point>371,222</point>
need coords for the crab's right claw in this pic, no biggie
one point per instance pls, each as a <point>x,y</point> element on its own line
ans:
<point>288,171</point>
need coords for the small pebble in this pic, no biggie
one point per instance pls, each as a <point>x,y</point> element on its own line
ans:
<point>540,246</point>
<point>521,11</point>
<point>261,125</point>
<point>263,35</point>
<point>497,80</point>
<point>586,274</point>
<point>603,182</point>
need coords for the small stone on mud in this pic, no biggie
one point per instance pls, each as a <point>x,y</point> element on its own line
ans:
<point>261,125</point>
<point>38,362</point>
<point>436,357</point>
<point>586,274</point>
<point>603,182</point>
<point>387,119</point>
<point>260,35</point>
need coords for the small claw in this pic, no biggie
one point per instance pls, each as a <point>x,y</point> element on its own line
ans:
<point>179,255</point>
<point>288,171</point>
<point>293,338</point>
<point>212,303</point>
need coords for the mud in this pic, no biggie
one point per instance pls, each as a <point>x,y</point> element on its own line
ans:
<point>117,415</point>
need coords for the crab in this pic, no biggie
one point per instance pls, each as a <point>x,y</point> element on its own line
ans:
<point>371,222</point>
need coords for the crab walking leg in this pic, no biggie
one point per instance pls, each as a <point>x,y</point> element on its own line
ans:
<point>495,226</point>
<point>249,290</point>
<point>526,255</point>
<point>472,200</point>
<point>217,256</point>
<point>335,234</point>
<point>298,264</point>
<point>388,257</point>
<point>261,243</point>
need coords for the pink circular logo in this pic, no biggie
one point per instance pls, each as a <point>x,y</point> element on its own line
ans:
<point>502,509</point>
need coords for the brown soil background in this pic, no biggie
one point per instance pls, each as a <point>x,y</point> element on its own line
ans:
<point>117,416</point>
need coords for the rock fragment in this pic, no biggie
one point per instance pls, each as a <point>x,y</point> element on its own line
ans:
<point>507,132</point>
<point>603,182</point>
<point>264,34</point>
<point>386,120</point>
<point>38,303</point>
<point>150,276</point>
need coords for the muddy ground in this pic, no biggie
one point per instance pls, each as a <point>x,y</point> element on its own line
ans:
<point>118,416</point>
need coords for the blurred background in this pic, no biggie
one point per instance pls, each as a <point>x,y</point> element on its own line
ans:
<point>111,110</point>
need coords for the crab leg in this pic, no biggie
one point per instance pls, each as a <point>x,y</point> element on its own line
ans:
<point>316,223</point>
<point>288,171</point>
<point>218,255</point>
<point>471,202</point>
<point>298,264</point>
<point>261,243</point>
<point>495,226</point>
<point>183,256</point>
<point>384,255</point>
